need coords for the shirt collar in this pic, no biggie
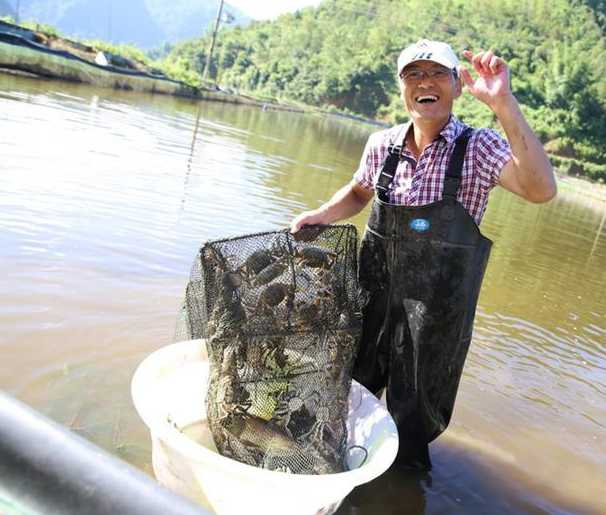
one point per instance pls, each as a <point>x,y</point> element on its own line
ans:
<point>453,128</point>
<point>450,132</point>
<point>401,134</point>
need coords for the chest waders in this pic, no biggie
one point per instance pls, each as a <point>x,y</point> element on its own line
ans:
<point>421,269</point>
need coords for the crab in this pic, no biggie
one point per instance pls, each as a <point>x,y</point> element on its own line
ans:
<point>230,284</point>
<point>315,257</point>
<point>257,261</point>
<point>339,348</point>
<point>307,314</point>
<point>265,395</point>
<point>267,354</point>
<point>309,232</point>
<point>271,297</point>
<point>227,318</point>
<point>282,415</point>
<point>312,403</point>
<point>269,273</point>
<point>326,428</point>
<point>309,311</point>
<point>260,259</point>
<point>231,398</point>
<point>274,294</point>
<point>210,255</point>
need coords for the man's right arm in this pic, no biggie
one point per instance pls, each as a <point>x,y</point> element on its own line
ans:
<point>346,202</point>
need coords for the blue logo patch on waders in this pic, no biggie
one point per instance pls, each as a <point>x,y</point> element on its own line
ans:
<point>419,224</point>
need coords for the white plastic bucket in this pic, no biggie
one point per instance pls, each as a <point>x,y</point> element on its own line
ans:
<point>169,389</point>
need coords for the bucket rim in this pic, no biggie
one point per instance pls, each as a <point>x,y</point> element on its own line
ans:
<point>169,435</point>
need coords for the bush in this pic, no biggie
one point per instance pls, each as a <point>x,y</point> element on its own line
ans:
<point>128,51</point>
<point>47,30</point>
<point>570,166</point>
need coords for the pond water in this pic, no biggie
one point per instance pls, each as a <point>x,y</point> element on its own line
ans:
<point>106,197</point>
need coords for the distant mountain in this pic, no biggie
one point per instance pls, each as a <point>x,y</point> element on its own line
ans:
<point>45,11</point>
<point>6,9</point>
<point>123,22</point>
<point>144,23</point>
<point>184,19</point>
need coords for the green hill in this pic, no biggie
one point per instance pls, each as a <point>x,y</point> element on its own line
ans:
<point>342,54</point>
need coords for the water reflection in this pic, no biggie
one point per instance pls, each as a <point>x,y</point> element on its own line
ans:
<point>106,198</point>
<point>459,483</point>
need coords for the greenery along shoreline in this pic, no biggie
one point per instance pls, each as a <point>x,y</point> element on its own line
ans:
<point>340,57</point>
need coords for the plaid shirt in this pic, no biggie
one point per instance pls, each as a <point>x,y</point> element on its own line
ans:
<point>417,183</point>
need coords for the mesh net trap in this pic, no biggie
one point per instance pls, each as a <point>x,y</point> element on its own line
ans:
<point>281,319</point>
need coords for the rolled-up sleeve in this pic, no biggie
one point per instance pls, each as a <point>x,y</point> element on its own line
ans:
<point>365,174</point>
<point>492,153</point>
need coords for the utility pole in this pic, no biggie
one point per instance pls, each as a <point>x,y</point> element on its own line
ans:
<point>17,12</point>
<point>109,20</point>
<point>209,56</point>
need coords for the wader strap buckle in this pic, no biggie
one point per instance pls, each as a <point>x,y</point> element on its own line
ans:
<point>395,149</point>
<point>388,171</point>
<point>452,180</point>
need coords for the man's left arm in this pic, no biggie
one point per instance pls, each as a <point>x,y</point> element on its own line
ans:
<point>529,173</point>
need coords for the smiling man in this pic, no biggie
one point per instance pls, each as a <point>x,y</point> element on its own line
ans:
<point>422,258</point>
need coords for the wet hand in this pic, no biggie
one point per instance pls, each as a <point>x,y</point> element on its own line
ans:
<point>307,218</point>
<point>492,84</point>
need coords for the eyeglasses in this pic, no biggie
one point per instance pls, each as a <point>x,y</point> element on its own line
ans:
<point>419,75</point>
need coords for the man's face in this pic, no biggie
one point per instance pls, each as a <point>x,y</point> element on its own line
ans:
<point>428,90</point>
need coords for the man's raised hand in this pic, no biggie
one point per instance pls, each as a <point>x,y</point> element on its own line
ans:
<point>492,83</point>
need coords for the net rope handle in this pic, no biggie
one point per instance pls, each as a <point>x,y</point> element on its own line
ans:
<point>349,449</point>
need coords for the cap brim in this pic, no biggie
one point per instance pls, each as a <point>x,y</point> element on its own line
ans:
<point>444,62</point>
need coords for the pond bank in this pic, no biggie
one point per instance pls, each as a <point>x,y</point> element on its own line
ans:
<point>39,54</point>
<point>35,53</point>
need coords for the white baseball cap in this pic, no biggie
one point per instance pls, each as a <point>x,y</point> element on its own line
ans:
<point>427,50</point>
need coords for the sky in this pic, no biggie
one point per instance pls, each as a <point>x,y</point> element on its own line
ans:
<point>267,9</point>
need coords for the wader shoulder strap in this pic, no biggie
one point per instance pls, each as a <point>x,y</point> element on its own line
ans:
<point>452,180</point>
<point>388,170</point>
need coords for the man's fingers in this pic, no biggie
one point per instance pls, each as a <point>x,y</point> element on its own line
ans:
<point>476,62</point>
<point>485,60</point>
<point>296,224</point>
<point>474,59</point>
<point>495,64</point>
<point>466,77</point>
<point>306,218</point>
